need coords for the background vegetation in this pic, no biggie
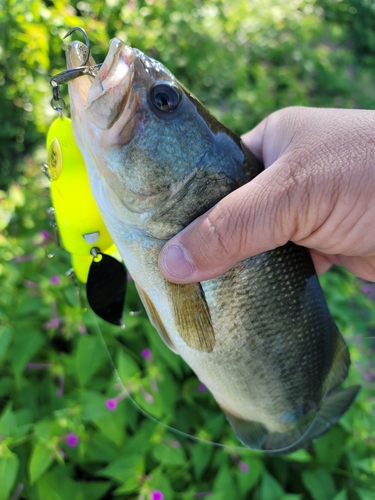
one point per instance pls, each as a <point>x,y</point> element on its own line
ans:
<point>67,431</point>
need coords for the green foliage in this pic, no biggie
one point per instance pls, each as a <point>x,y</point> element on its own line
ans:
<point>60,367</point>
<point>242,59</point>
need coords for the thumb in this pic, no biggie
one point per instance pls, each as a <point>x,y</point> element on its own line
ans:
<point>254,218</point>
<point>259,216</point>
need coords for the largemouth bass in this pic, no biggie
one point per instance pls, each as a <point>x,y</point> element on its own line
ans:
<point>260,336</point>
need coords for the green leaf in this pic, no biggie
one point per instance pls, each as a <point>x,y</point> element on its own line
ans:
<point>132,484</point>
<point>160,481</point>
<point>200,455</point>
<point>365,494</point>
<point>58,485</point>
<point>247,480</point>
<point>301,456</point>
<point>8,425</point>
<point>330,447</point>
<point>100,448</point>
<point>93,405</point>
<point>89,357</point>
<point>169,455</point>
<point>122,469</point>
<point>41,459</point>
<point>224,483</point>
<point>25,345</point>
<point>270,489</point>
<point>112,425</point>
<point>95,490</point>
<point>319,483</point>
<point>5,337</point>
<point>9,465</point>
<point>291,497</point>
<point>342,495</point>
<point>126,367</point>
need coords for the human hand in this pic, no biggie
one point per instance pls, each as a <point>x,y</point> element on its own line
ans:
<point>318,190</point>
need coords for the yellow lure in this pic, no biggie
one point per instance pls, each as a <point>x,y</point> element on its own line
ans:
<point>78,219</point>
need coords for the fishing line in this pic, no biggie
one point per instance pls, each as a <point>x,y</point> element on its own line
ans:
<point>191,436</point>
<point>148,415</point>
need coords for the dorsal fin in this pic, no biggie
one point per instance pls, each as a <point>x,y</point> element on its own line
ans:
<point>155,318</point>
<point>192,316</point>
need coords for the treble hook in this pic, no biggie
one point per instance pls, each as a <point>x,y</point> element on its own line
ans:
<point>87,41</point>
<point>72,73</point>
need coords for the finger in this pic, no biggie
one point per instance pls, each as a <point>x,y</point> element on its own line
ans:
<point>254,139</point>
<point>363,267</point>
<point>322,262</point>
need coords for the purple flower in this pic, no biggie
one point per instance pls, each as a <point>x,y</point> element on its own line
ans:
<point>111,404</point>
<point>82,329</point>
<point>71,439</point>
<point>156,495</point>
<point>202,388</point>
<point>146,353</point>
<point>46,235</point>
<point>52,323</point>
<point>55,280</point>
<point>368,376</point>
<point>243,467</point>
<point>38,366</point>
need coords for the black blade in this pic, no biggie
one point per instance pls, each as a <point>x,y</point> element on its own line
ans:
<point>106,288</point>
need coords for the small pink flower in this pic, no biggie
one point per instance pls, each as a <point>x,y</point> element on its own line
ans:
<point>55,280</point>
<point>148,397</point>
<point>146,353</point>
<point>202,388</point>
<point>111,404</point>
<point>52,323</point>
<point>38,366</point>
<point>71,439</point>
<point>46,235</point>
<point>368,376</point>
<point>156,495</point>
<point>243,467</point>
<point>82,329</point>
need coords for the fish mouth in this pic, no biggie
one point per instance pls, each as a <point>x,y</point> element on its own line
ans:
<point>103,98</point>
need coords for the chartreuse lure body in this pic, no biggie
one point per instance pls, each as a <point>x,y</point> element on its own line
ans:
<point>82,231</point>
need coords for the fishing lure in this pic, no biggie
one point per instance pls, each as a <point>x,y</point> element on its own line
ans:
<point>81,229</point>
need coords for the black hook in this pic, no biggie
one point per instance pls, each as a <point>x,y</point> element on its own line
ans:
<point>87,41</point>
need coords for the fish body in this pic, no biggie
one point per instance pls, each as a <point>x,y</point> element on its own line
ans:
<point>260,336</point>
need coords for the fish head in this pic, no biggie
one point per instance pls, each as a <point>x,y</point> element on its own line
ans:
<point>147,137</point>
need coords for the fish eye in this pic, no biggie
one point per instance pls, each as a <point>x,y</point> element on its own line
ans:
<point>166,97</point>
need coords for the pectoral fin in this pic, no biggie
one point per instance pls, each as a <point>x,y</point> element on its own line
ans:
<point>155,318</point>
<point>192,316</point>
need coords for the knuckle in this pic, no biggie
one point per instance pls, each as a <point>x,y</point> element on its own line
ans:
<point>219,235</point>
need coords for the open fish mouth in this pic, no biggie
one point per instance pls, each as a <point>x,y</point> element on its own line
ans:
<point>101,99</point>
